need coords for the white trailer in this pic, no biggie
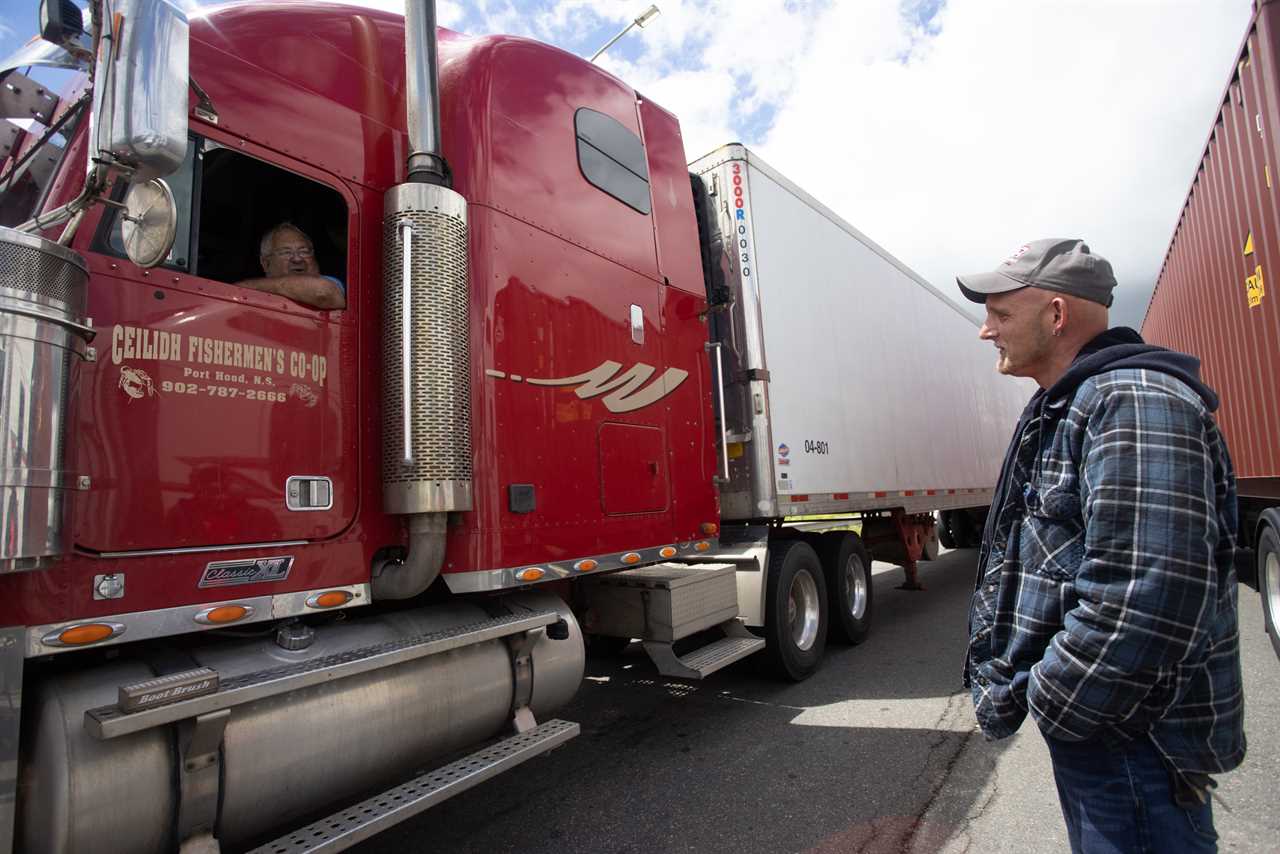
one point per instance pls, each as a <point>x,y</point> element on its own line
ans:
<point>848,385</point>
<point>851,383</point>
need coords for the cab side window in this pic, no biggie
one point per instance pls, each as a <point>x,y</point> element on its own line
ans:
<point>227,201</point>
<point>612,158</point>
<point>243,198</point>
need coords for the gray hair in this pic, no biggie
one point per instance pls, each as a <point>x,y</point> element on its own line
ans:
<point>264,249</point>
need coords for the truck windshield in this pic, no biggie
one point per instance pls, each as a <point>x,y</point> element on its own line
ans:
<point>36,127</point>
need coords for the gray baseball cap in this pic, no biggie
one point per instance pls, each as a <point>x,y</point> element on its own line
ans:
<point>1054,264</point>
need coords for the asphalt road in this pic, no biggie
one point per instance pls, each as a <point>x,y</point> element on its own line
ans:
<point>877,752</point>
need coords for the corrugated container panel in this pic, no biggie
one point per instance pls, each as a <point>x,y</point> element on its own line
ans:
<point>1201,304</point>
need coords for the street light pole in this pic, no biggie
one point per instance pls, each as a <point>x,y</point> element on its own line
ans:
<point>644,18</point>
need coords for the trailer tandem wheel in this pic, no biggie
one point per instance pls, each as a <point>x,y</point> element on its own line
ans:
<point>945,536</point>
<point>848,575</point>
<point>795,610</point>
<point>964,527</point>
<point>1269,582</point>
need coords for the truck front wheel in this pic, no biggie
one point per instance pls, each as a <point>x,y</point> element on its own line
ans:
<point>848,571</point>
<point>795,610</point>
<point>1269,582</point>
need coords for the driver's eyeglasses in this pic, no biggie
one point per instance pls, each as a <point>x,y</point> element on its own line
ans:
<point>296,252</point>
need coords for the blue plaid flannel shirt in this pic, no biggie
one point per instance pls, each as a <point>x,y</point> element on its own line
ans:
<point>1106,598</point>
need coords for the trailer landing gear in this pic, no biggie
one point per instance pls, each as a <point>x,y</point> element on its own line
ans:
<point>900,538</point>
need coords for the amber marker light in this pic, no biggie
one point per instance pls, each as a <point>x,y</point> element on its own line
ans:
<point>702,546</point>
<point>586,565</point>
<point>223,614</point>
<point>710,529</point>
<point>630,558</point>
<point>85,633</point>
<point>533,573</point>
<point>329,599</point>
<point>667,551</point>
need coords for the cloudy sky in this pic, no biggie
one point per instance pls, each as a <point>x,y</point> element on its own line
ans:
<point>949,131</point>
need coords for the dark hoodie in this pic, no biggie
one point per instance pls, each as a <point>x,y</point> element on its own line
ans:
<point>1115,349</point>
<point>1120,348</point>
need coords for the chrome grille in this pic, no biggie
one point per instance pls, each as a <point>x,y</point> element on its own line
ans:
<point>440,387</point>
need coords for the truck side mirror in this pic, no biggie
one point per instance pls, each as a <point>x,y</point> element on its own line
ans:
<point>61,22</point>
<point>149,222</point>
<point>140,88</point>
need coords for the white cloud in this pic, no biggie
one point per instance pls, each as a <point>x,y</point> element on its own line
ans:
<point>449,13</point>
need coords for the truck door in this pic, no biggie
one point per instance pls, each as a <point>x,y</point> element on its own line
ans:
<point>219,413</point>
<point>693,440</point>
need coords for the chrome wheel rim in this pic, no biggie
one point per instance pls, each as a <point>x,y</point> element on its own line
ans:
<point>855,586</point>
<point>1271,586</point>
<point>803,610</point>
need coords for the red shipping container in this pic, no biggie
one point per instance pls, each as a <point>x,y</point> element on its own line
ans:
<point>1218,292</point>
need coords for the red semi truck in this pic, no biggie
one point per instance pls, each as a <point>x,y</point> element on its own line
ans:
<point>259,559</point>
<point>1211,297</point>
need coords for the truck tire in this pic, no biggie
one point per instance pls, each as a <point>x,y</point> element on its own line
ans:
<point>795,628</point>
<point>1269,583</point>
<point>966,530</point>
<point>945,536</point>
<point>848,575</point>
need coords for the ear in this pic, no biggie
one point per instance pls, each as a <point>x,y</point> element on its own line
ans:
<point>1060,307</point>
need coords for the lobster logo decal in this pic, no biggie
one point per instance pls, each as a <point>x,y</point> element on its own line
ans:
<point>136,383</point>
<point>304,394</point>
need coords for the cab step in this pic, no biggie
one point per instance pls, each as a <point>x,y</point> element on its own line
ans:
<point>705,660</point>
<point>113,721</point>
<point>667,602</point>
<point>347,827</point>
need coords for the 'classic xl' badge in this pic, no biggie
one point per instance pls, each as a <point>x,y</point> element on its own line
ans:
<point>224,573</point>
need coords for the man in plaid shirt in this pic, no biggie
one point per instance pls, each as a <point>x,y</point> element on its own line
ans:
<point>1105,603</point>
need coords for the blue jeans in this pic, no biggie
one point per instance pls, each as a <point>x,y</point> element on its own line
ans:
<point>1119,799</point>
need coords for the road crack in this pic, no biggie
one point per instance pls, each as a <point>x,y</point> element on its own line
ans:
<point>956,708</point>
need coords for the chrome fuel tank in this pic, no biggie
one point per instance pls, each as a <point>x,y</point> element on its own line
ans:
<point>284,757</point>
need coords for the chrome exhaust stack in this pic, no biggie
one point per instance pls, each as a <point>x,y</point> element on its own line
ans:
<point>426,420</point>
<point>43,332</point>
<point>422,93</point>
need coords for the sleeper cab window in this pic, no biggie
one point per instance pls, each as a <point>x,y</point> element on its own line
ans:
<point>612,158</point>
<point>230,208</point>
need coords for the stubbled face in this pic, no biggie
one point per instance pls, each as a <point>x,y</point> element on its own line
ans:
<point>1020,324</point>
<point>291,254</point>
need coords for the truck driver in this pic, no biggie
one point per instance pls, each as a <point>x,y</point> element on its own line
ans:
<point>289,260</point>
